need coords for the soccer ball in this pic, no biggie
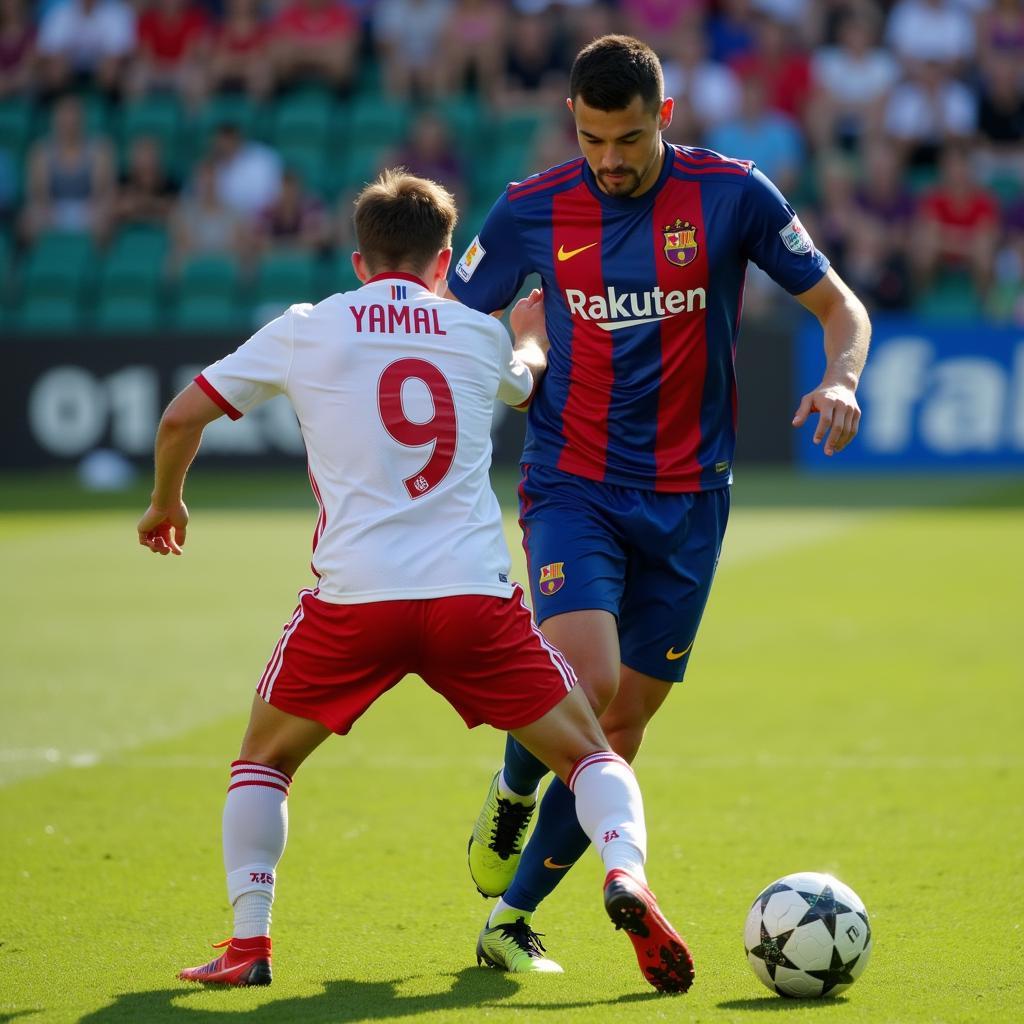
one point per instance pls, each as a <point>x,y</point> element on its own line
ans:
<point>807,935</point>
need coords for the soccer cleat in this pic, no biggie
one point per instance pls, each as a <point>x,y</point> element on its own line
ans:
<point>663,957</point>
<point>245,962</point>
<point>497,841</point>
<point>512,945</point>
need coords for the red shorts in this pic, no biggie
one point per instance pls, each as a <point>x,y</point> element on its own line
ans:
<point>482,654</point>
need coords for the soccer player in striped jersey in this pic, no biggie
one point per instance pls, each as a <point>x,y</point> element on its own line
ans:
<point>394,389</point>
<point>641,248</point>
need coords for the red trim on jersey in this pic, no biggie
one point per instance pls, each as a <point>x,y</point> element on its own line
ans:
<point>321,521</point>
<point>525,502</point>
<point>711,158</point>
<point>576,220</point>
<point>682,165</point>
<point>390,275</point>
<point>216,397</point>
<point>684,347</point>
<point>546,177</point>
<point>529,188</point>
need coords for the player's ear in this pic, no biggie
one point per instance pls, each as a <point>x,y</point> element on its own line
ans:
<point>444,261</point>
<point>568,103</point>
<point>668,107</point>
<point>359,266</point>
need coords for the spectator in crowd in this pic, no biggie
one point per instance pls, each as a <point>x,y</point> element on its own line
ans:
<point>17,49</point>
<point>1001,32</point>
<point>430,152</point>
<point>8,188</point>
<point>768,137</point>
<point>173,46</point>
<point>318,40</point>
<point>883,196</point>
<point>295,220</point>
<point>408,35</point>
<point>938,31</point>
<point>247,173</point>
<point>535,74</point>
<point>781,69</point>
<point>86,41</point>
<point>240,52</point>
<point>877,270</point>
<point>1008,297</point>
<point>473,47</point>
<point>837,214</point>
<point>927,110</point>
<point>69,177</point>
<point>661,21</point>
<point>958,225</point>
<point>203,224</point>
<point>852,81</point>
<point>145,195</point>
<point>732,30</point>
<point>710,90</point>
<point>1001,116</point>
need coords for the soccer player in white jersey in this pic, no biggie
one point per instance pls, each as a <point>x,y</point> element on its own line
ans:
<point>394,387</point>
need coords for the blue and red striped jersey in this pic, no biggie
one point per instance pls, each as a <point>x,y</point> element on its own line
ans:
<point>642,298</point>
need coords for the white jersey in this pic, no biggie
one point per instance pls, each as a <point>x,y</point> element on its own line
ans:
<point>394,391</point>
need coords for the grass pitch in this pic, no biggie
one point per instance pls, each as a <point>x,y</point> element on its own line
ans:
<point>853,705</point>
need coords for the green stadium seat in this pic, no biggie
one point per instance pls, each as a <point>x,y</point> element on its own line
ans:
<point>158,116</point>
<point>305,116</point>
<point>43,315</point>
<point>210,277</point>
<point>337,275</point>
<point>58,266</point>
<point>287,277</point>
<point>208,313</point>
<point>16,119</point>
<point>220,109</point>
<point>96,115</point>
<point>364,161</point>
<point>116,314</point>
<point>518,129</point>
<point>379,121</point>
<point>951,299</point>
<point>309,162</point>
<point>466,124</point>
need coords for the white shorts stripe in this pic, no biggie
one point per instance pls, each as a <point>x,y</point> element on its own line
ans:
<point>558,659</point>
<point>270,673</point>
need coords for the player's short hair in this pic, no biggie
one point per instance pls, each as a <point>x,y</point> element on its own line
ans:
<point>403,221</point>
<point>611,70</point>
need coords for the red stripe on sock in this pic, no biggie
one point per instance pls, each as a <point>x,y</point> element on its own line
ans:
<point>600,757</point>
<point>268,785</point>
<point>266,768</point>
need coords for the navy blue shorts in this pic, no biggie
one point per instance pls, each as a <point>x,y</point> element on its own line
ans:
<point>647,557</point>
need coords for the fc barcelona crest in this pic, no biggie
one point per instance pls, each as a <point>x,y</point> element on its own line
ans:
<point>551,578</point>
<point>680,243</point>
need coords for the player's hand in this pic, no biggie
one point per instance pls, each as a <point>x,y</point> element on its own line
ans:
<point>527,320</point>
<point>162,530</point>
<point>838,415</point>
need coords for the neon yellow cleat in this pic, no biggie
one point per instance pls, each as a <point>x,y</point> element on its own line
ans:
<point>510,944</point>
<point>497,841</point>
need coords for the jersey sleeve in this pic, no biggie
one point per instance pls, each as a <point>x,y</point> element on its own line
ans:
<point>515,387</point>
<point>255,372</point>
<point>493,267</point>
<point>775,240</point>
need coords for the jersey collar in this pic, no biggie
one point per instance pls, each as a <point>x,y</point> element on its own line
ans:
<point>391,275</point>
<point>630,202</point>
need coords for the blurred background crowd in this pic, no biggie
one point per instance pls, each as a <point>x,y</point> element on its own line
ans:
<point>190,164</point>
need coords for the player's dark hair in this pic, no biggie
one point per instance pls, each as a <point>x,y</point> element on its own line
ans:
<point>402,221</point>
<point>611,70</point>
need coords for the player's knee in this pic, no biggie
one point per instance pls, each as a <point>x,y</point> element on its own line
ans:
<point>625,739</point>
<point>600,688</point>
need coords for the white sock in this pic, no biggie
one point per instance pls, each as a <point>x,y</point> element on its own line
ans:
<point>500,908</point>
<point>255,832</point>
<point>507,793</point>
<point>610,810</point>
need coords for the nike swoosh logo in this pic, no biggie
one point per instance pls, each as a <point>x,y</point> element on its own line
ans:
<point>549,863</point>
<point>563,255</point>
<point>673,655</point>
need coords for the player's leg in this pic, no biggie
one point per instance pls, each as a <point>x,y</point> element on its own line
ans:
<point>330,664</point>
<point>255,829</point>
<point>576,573</point>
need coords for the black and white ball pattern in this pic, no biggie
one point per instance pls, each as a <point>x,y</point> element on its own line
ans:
<point>808,935</point>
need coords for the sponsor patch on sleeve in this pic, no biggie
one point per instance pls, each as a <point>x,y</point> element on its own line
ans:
<point>795,238</point>
<point>471,258</point>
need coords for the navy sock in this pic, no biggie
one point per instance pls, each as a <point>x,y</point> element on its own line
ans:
<point>556,844</point>
<point>523,771</point>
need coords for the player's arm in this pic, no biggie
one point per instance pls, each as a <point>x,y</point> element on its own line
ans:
<point>530,340</point>
<point>847,330</point>
<point>162,528</point>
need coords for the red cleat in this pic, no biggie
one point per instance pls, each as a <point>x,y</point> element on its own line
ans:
<point>245,962</point>
<point>664,959</point>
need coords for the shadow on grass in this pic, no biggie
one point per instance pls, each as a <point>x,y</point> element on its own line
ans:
<point>340,1002</point>
<point>778,1004</point>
